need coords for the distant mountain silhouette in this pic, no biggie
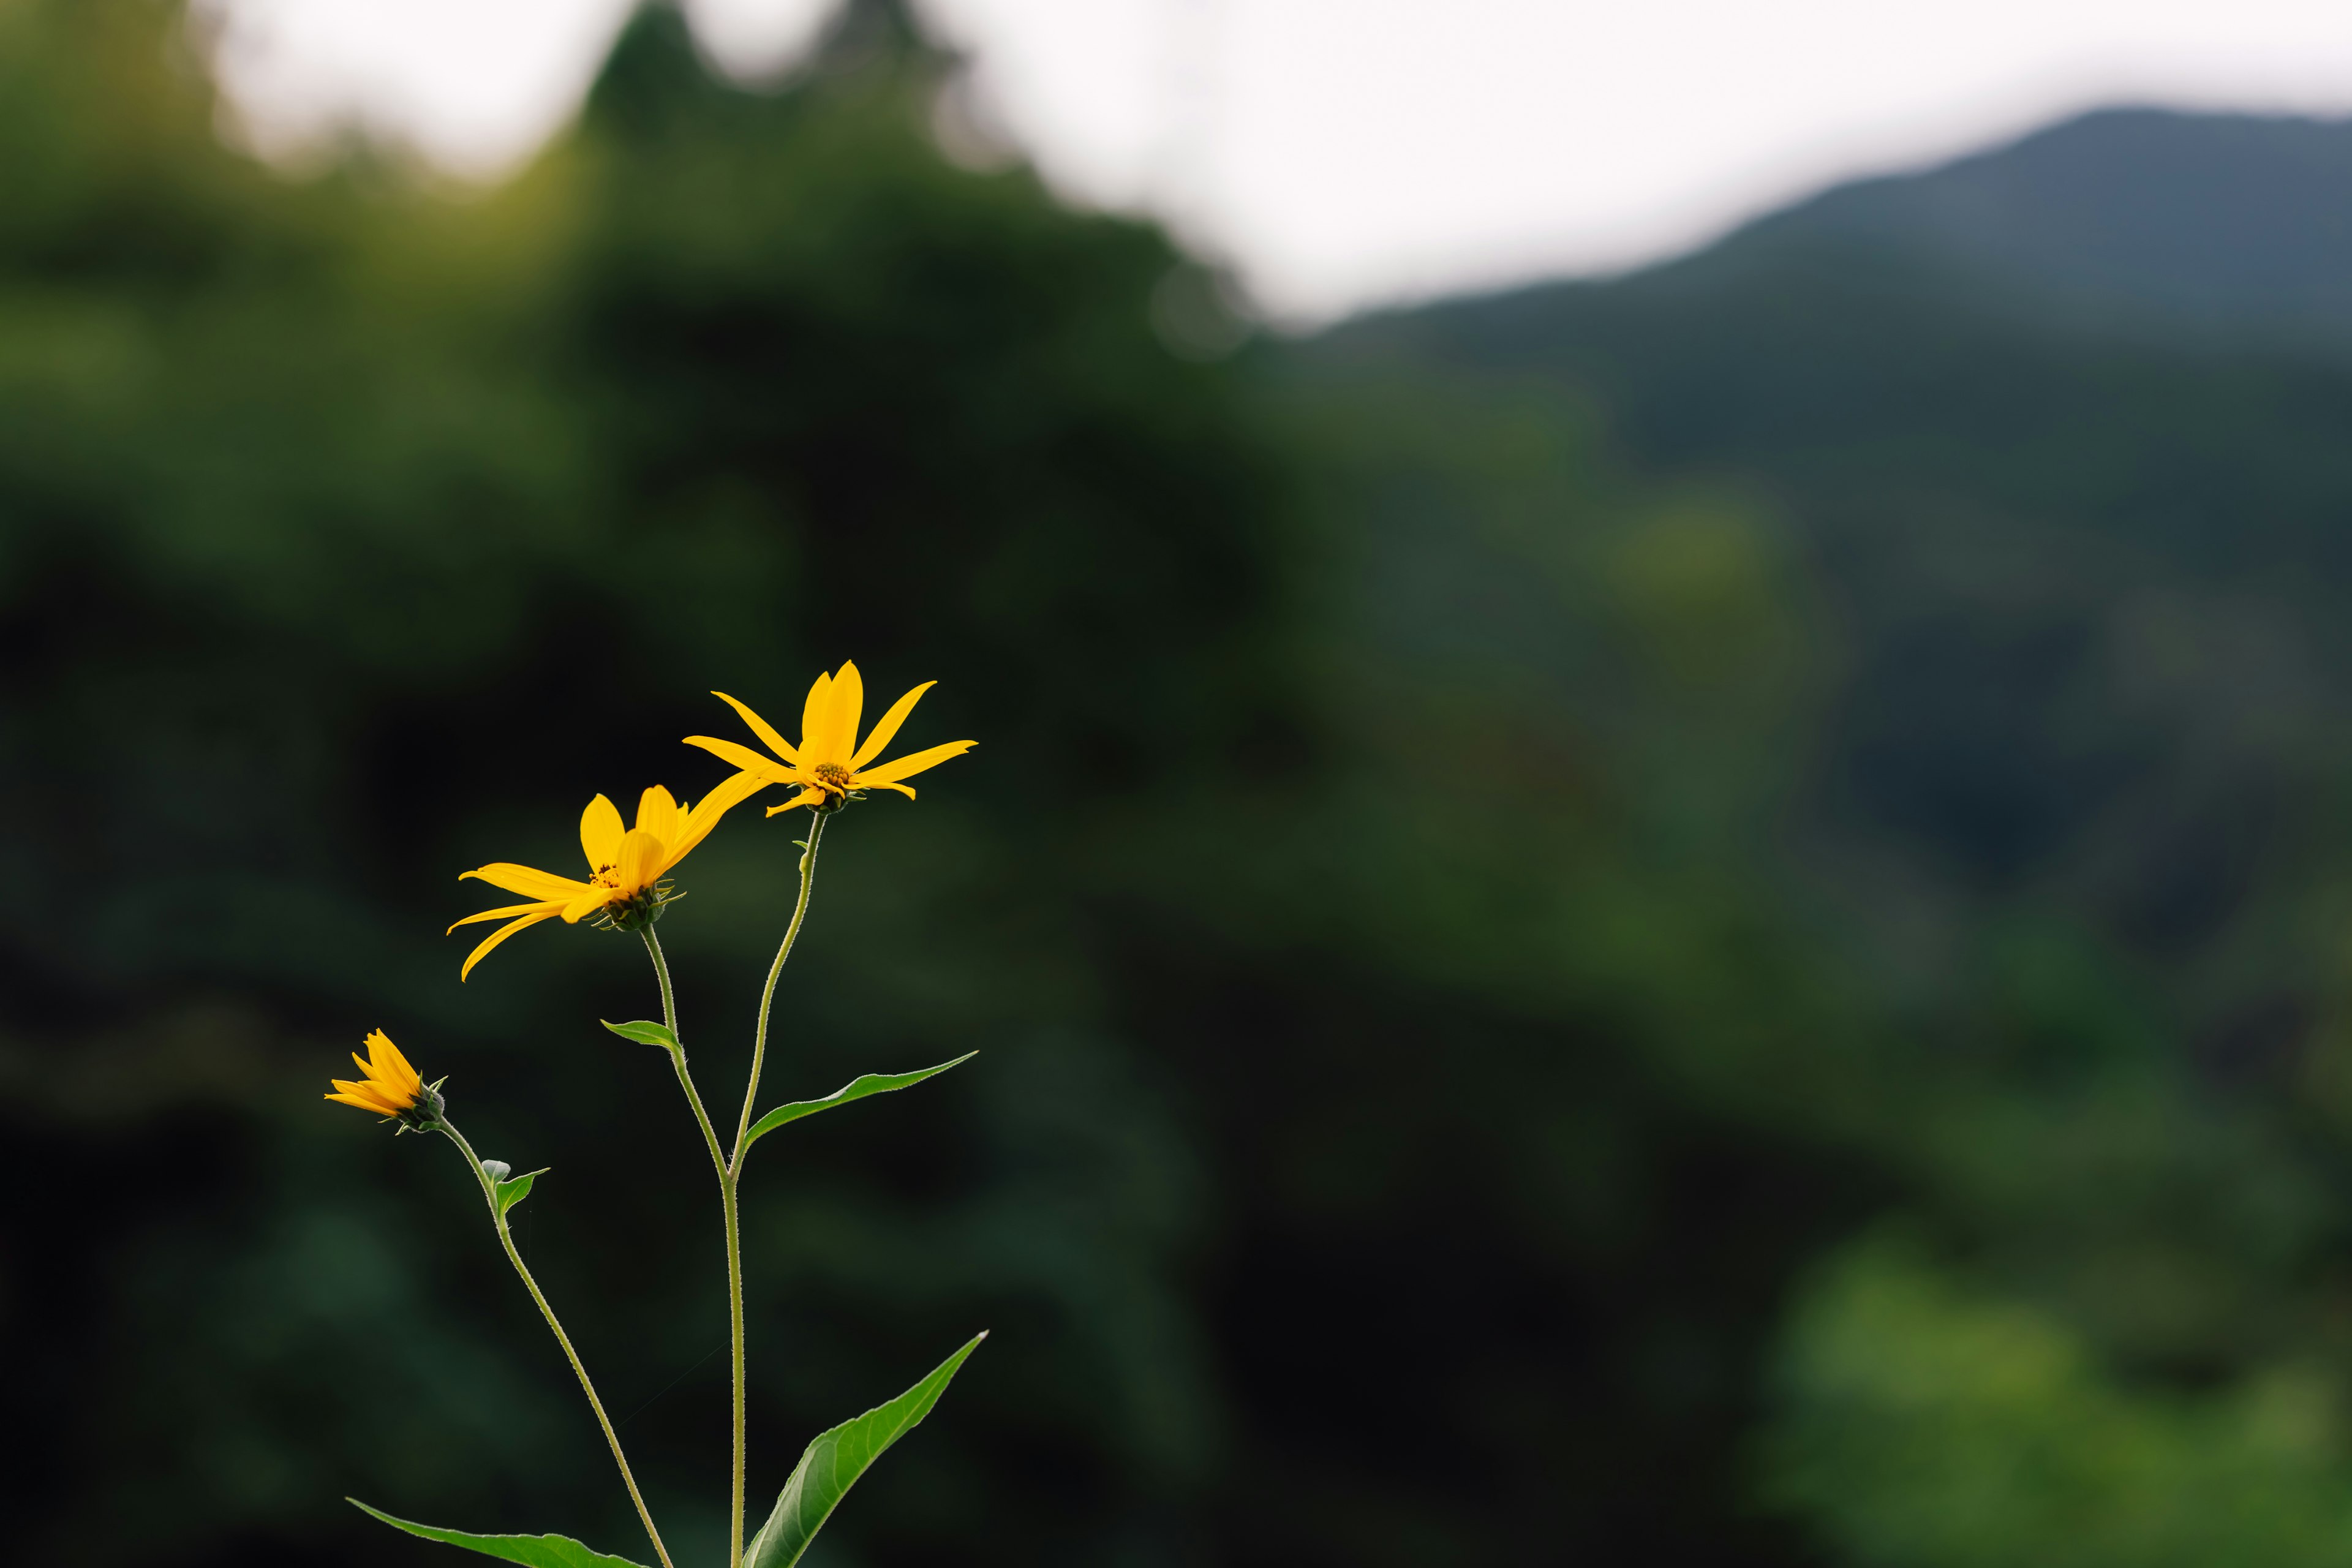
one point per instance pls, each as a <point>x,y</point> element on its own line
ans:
<point>2217,220</point>
<point>2145,223</point>
<point>2028,311</point>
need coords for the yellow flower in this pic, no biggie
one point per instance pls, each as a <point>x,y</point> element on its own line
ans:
<point>388,1085</point>
<point>829,764</point>
<point>626,866</point>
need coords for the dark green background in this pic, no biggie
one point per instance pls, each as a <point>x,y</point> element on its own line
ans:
<point>1699,920</point>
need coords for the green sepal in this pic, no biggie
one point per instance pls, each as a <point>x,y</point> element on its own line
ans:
<point>644,1032</point>
<point>427,1113</point>
<point>833,1461</point>
<point>537,1550</point>
<point>857,1088</point>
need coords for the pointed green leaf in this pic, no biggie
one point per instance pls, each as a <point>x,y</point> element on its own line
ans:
<point>512,1192</point>
<point>872,1083</point>
<point>836,1459</point>
<point>644,1032</point>
<point>537,1550</point>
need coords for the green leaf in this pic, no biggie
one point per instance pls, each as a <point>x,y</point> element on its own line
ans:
<point>538,1551</point>
<point>512,1192</point>
<point>837,1458</point>
<point>872,1083</point>
<point>644,1032</point>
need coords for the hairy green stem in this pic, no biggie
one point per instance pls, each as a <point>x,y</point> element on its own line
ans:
<point>731,1170</point>
<point>767,996</point>
<point>734,1235</point>
<point>678,1059</point>
<point>506,1240</point>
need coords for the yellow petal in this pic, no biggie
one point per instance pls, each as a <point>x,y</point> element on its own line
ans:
<point>530,884</point>
<point>600,836</point>
<point>710,809</point>
<point>812,717</point>
<point>731,793</point>
<point>365,1095</point>
<point>889,725</point>
<point>759,727</point>
<point>743,757</point>
<point>392,1093</point>
<point>657,813</point>
<point>538,914</point>
<point>841,722</point>
<point>401,1089</point>
<point>641,860</point>
<point>899,768</point>
<point>806,797</point>
<point>887,783</point>
<point>552,906</point>
<point>589,902</point>
<point>385,1055</point>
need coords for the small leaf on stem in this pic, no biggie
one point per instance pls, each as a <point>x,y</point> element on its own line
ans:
<point>644,1032</point>
<point>856,1088</point>
<point>512,1192</point>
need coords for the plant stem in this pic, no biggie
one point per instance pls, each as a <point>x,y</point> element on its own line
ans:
<point>506,1240</point>
<point>767,996</point>
<point>731,1170</point>
<point>734,1237</point>
<point>677,1056</point>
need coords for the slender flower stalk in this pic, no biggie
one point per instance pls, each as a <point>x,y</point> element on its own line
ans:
<point>678,1056</point>
<point>732,1175</point>
<point>587,1386</point>
<point>730,1168</point>
<point>768,993</point>
<point>726,1202</point>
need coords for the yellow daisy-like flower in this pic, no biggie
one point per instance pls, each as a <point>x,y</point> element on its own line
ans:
<point>388,1085</point>
<point>625,866</point>
<point>830,764</point>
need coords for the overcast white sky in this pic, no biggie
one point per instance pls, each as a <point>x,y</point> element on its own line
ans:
<point>1346,152</point>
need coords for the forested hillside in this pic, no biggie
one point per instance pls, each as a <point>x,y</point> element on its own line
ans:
<point>2052,445</point>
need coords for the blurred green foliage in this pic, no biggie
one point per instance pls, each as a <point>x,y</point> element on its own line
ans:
<point>1932,1425</point>
<point>1692,921</point>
